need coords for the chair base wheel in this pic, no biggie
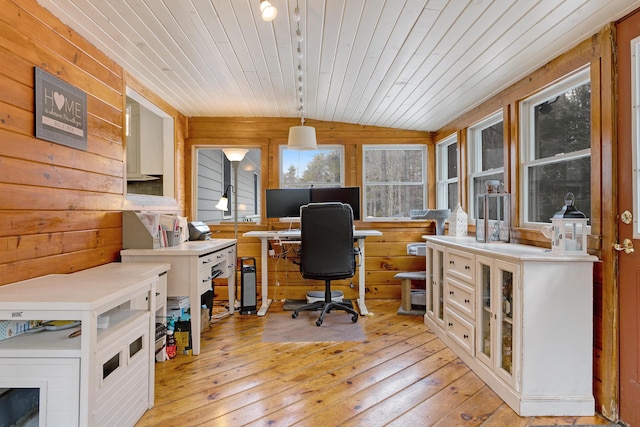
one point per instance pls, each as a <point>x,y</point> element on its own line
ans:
<point>294,315</point>
<point>318,322</point>
<point>354,318</point>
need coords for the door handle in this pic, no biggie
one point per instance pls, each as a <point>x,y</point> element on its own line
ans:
<point>626,246</point>
<point>626,217</point>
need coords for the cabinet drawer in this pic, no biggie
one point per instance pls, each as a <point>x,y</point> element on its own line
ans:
<point>460,264</point>
<point>460,330</point>
<point>461,297</point>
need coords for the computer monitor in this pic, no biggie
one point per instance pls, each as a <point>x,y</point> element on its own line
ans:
<point>285,202</point>
<point>348,195</point>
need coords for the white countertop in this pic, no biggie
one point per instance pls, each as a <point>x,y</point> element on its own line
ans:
<point>507,250</point>
<point>196,247</point>
<point>71,291</point>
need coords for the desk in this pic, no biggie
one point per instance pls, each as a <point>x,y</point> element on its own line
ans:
<point>265,236</point>
<point>193,265</point>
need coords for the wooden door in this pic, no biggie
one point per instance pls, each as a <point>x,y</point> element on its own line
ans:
<point>628,230</point>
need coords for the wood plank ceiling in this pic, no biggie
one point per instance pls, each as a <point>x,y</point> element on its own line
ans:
<point>408,64</point>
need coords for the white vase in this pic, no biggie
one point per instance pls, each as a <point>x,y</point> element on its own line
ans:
<point>458,224</point>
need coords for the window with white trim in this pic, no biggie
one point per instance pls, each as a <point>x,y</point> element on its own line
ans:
<point>323,167</point>
<point>447,173</point>
<point>486,156</point>
<point>394,178</point>
<point>556,149</point>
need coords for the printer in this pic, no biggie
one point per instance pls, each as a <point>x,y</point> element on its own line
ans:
<point>198,230</point>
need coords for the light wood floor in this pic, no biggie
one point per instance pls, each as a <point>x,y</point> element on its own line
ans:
<point>401,376</point>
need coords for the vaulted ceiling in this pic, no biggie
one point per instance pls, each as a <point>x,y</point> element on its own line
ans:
<point>409,64</point>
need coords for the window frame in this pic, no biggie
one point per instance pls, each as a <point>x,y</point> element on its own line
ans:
<point>474,140</point>
<point>527,138</point>
<point>395,147</point>
<point>339,147</point>
<point>442,167</point>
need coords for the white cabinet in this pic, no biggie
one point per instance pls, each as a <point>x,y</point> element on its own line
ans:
<point>193,267</point>
<point>144,142</point>
<point>520,317</point>
<point>104,376</point>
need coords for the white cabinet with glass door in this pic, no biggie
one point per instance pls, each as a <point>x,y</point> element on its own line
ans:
<point>528,332</point>
<point>499,301</point>
<point>434,316</point>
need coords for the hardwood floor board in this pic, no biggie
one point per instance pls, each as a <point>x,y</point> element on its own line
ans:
<point>402,375</point>
<point>348,407</point>
<point>504,416</point>
<point>293,367</point>
<point>437,406</point>
<point>473,411</point>
<point>393,406</point>
<point>331,389</point>
<point>332,374</point>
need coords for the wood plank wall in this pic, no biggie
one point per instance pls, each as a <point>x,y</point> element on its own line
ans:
<point>60,208</point>
<point>385,255</point>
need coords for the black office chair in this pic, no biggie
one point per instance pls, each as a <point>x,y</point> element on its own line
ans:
<point>327,252</point>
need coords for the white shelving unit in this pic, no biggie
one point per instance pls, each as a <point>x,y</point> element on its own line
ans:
<point>520,317</point>
<point>103,377</point>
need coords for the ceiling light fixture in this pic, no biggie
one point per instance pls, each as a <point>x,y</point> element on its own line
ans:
<point>269,12</point>
<point>300,137</point>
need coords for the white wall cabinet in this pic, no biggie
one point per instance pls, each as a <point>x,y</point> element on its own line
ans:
<point>520,317</point>
<point>104,376</point>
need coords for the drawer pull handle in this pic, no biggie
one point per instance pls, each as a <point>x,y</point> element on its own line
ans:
<point>465,336</point>
<point>157,294</point>
<point>450,292</point>
<point>466,300</point>
<point>451,261</point>
<point>466,267</point>
<point>220,256</point>
<point>450,324</point>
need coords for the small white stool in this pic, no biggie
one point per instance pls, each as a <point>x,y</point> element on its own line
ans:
<point>406,277</point>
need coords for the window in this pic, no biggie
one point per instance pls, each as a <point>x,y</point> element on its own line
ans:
<point>323,167</point>
<point>213,173</point>
<point>556,149</point>
<point>486,156</point>
<point>394,180</point>
<point>447,173</point>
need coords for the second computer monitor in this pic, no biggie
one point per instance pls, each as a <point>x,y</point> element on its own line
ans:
<point>348,195</point>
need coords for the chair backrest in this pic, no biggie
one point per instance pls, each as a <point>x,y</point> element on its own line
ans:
<point>327,241</point>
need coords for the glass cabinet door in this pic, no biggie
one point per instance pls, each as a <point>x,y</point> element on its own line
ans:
<point>496,342</point>
<point>484,321</point>
<point>439,257</point>
<point>435,283</point>
<point>429,280</point>
<point>505,288</point>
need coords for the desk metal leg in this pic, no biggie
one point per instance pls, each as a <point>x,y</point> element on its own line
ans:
<point>361,279</point>
<point>264,263</point>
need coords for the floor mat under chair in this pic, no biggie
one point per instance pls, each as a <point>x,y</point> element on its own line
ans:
<point>337,326</point>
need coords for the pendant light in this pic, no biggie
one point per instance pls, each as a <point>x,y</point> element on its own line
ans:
<point>300,137</point>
